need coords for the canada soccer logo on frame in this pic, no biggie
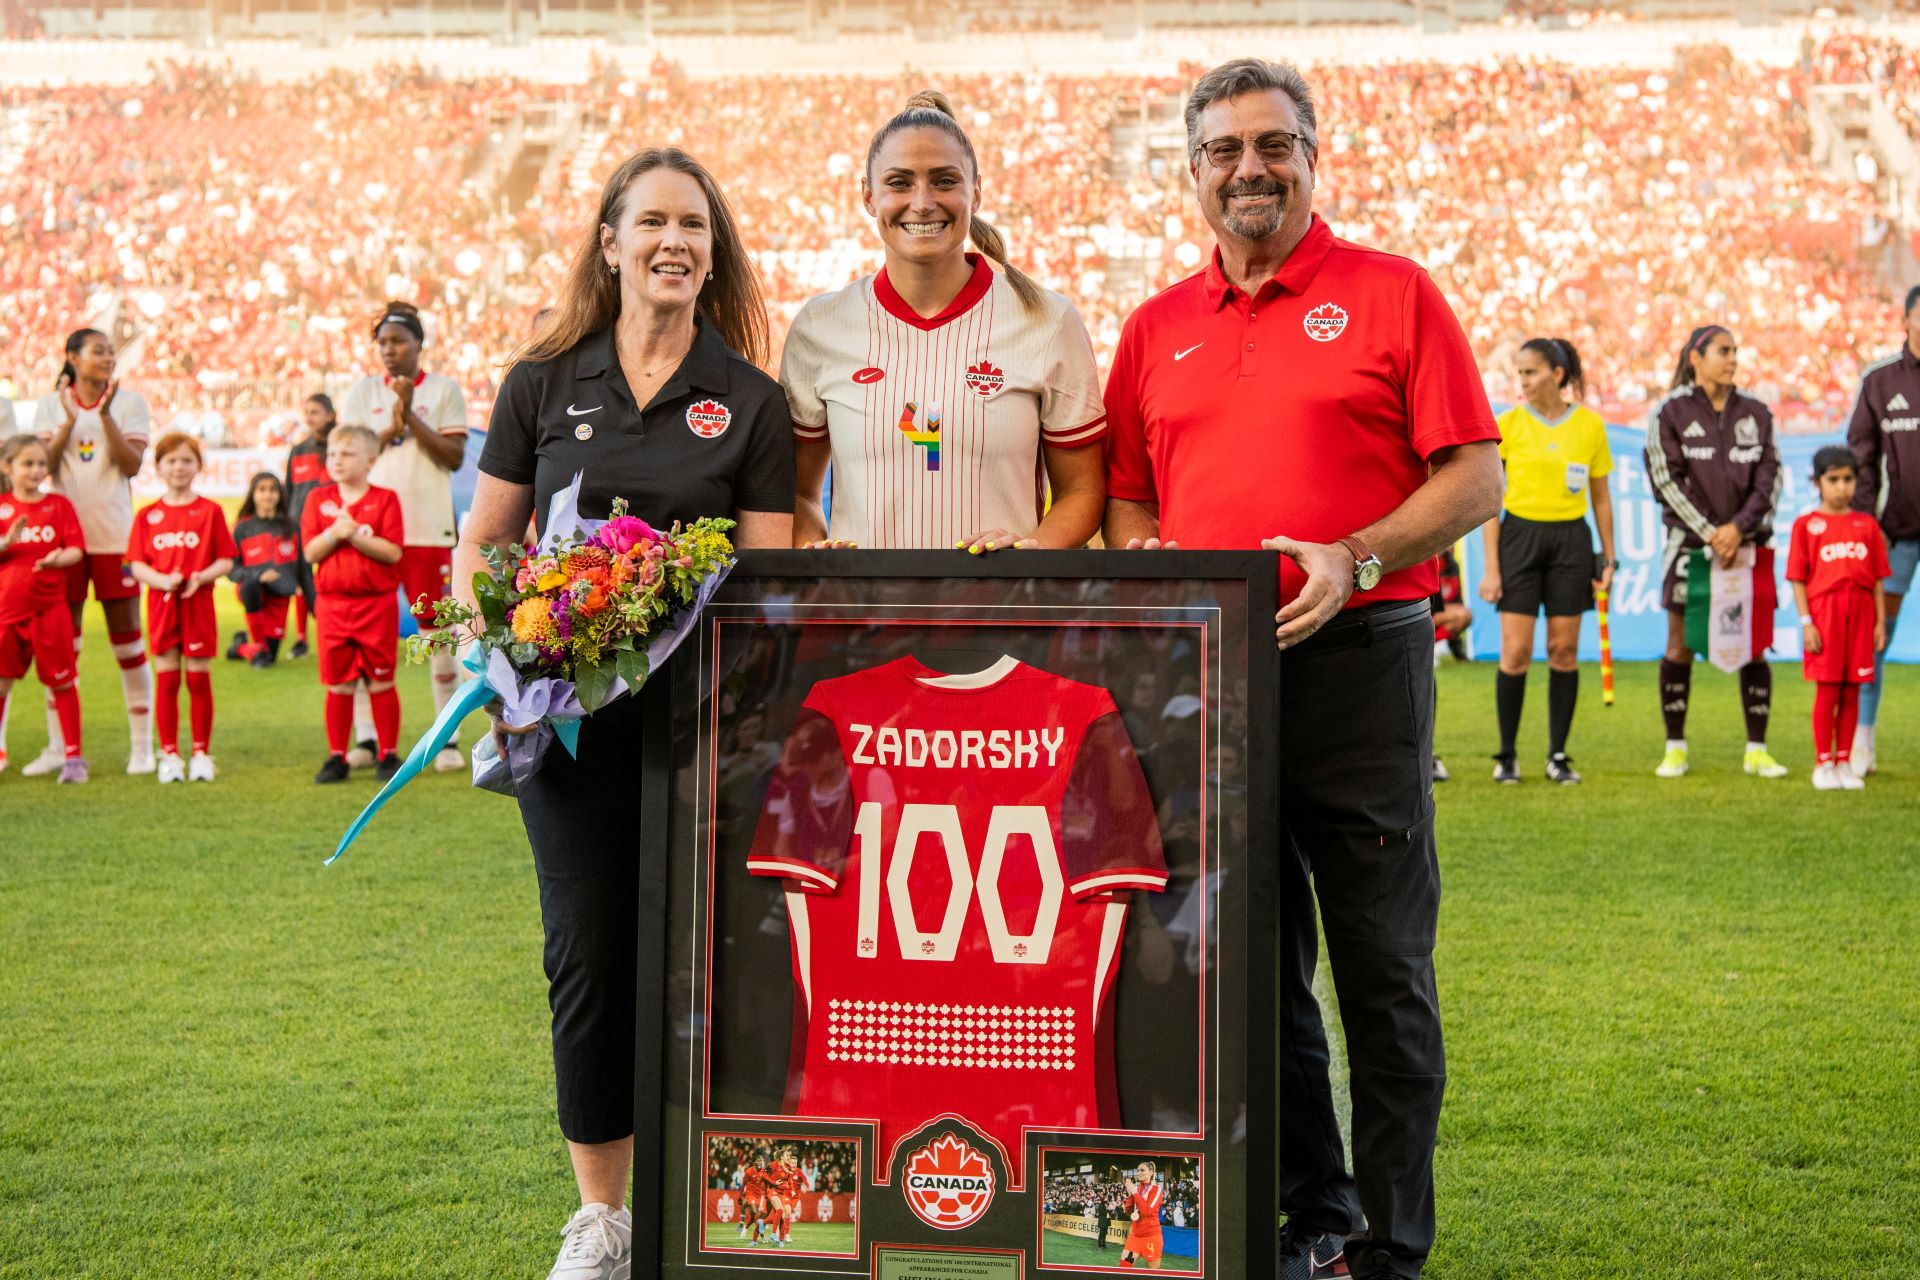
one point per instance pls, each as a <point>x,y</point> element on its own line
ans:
<point>788,1194</point>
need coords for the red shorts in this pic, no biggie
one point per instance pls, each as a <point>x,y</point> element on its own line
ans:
<point>108,575</point>
<point>1845,621</point>
<point>359,638</point>
<point>44,641</point>
<point>1144,1244</point>
<point>187,625</point>
<point>425,571</point>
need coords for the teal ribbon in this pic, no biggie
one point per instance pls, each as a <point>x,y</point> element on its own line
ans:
<point>468,698</point>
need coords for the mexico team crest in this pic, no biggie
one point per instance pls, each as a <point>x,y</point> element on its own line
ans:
<point>1325,322</point>
<point>708,418</point>
<point>947,1183</point>
<point>985,381</point>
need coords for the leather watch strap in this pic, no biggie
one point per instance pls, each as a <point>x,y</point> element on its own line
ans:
<point>1358,549</point>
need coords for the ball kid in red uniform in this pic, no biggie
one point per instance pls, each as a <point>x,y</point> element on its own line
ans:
<point>40,538</point>
<point>1837,561</point>
<point>352,531</point>
<point>179,547</point>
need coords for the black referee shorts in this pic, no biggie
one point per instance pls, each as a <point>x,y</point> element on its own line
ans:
<point>1546,562</point>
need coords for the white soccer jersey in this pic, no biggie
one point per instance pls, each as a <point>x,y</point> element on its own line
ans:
<point>7,426</point>
<point>87,475</point>
<point>936,425</point>
<point>424,486</point>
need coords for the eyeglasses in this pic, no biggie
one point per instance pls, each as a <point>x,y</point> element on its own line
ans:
<point>1275,147</point>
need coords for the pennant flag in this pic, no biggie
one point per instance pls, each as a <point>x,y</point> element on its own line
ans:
<point>1730,608</point>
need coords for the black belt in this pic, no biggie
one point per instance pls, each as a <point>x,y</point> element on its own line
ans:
<point>1353,628</point>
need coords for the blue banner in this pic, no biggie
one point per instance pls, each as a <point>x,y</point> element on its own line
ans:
<point>1638,623</point>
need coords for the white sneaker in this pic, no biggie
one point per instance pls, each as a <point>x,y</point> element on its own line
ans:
<point>598,1245</point>
<point>200,768</point>
<point>171,769</point>
<point>1850,779</point>
<point>1826,777</point>
<point>48,761</point>
<point>1862,754</point>
<point>139,760</point>
<point>450,759</point>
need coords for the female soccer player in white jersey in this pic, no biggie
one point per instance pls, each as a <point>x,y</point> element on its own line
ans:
<point>421,419</point>
<point>96,433</point>
<point>949,397</point>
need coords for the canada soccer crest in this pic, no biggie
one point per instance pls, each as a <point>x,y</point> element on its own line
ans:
<point>947,1183</point>
<point>1325,322</point>
<point>985,381</point>
<point>1816,526</point>
<point>708,418</point>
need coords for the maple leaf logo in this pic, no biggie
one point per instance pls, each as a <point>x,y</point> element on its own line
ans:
<point>927,948</point>
<point>984,380</point>
<point>708,418</point>
<point>1325,322</point>
<point>947,1183</point>
<point>866,946</point>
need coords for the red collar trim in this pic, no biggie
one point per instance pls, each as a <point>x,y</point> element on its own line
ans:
<point>970,293</point>
<point>1294,275</point>
<point>82,405</point>
<point>418,378</point>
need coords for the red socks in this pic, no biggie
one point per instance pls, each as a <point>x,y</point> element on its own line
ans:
<point>300,614</point>
<point>166,710</point>
<point>386,719</point>
<point>66,703</point>
<point>1836,713</point>
<point>200,709</point>
<point>339,722</point>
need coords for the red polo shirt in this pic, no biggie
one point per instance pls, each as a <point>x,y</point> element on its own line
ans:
<point>1309,409</point>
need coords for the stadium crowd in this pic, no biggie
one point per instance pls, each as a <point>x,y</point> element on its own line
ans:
<point>1613,206</point>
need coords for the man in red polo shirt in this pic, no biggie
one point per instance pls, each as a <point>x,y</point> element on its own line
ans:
<point>1319,399</point>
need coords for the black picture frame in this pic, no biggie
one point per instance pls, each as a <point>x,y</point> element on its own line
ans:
<point>673,1076</point>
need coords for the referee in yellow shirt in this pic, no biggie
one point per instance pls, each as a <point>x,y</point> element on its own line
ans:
<point>1539,551</point>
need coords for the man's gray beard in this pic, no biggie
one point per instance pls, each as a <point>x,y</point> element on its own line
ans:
<point>1255,224</point>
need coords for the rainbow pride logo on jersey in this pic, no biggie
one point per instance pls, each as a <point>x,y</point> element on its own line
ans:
<point>923,437</point>
<point>86,451</point>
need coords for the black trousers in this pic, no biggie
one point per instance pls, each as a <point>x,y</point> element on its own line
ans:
<point>583,821</point>
<point>253,593</point>
<point>1356,761</point>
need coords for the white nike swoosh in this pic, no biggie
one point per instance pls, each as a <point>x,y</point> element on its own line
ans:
<point>1182,355</point>
<point>581,413</point>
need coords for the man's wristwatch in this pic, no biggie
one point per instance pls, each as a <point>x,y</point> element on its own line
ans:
<point>1366,565</point>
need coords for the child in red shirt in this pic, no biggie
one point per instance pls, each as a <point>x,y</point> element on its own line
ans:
<point>180,546</point>
<point>1837,560</point>
<point>40,537</point>
<point>353,532</point>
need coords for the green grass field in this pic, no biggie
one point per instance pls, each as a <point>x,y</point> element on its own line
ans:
<point>1058,1249</point>
<point>1682,1017</point>
<point>808,1237</point>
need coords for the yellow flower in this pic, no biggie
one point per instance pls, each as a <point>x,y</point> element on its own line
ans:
<point>533,623</point>
<point>552,580</point>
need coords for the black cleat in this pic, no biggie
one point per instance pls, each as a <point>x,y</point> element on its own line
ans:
<point>299,649</point>
<point>1440,773</point>
<point>1560,769</point>
<point>1311,1255</point>
<point>234,650</point>
<point>388,766</point>
<point>1505,771</point>
<point>262,660</point>
<point>334,770</point>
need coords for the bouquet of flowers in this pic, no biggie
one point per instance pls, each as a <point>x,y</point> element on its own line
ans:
<point>562,629</point>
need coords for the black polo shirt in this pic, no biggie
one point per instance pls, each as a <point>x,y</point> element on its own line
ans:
<point>715,440</point>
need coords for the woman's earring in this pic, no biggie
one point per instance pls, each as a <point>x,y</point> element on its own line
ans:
<point>709,275</point>
<point>615,270</point>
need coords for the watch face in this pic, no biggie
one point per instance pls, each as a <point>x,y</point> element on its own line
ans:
<point>1366,575</point>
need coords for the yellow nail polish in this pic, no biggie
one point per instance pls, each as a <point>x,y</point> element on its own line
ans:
<point>973,551</point>
<point>959,543</point>
<point>993,546</point>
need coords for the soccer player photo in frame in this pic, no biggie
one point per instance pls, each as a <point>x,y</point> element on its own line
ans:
<point>968,861</point>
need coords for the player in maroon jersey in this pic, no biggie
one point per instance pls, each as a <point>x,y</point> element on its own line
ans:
<point>1837,562</point>
<point>40,539</point>
<point>179,547</point>
<point>1144,1245</point>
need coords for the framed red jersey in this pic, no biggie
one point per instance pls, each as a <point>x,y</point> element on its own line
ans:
<point>969,861</point>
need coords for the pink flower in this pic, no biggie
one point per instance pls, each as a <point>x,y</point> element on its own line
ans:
<point>624,533</point>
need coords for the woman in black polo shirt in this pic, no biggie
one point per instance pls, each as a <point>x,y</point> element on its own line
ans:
<point>661,312</point>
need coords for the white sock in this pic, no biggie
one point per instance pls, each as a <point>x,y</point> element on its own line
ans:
<point>6,709</point>
<point>1862,735</point>
<point>1676,744</point>
<point>1756,746</point>
<point>56,741</point>
<point>362,714</point>
<point>136,688</point>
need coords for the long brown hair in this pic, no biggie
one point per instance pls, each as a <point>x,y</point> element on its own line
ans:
<point>590,299</point>
<point>930,109</point>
